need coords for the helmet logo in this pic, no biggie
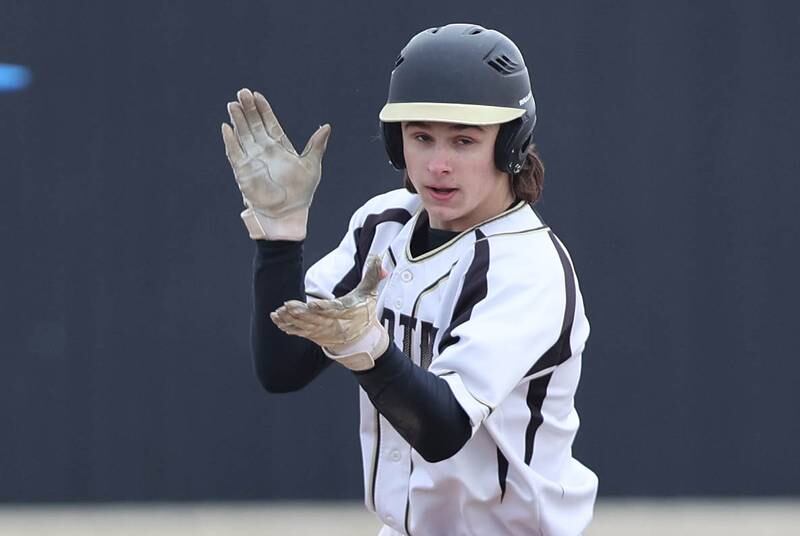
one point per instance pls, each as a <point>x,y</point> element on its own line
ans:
<point>525,99</point>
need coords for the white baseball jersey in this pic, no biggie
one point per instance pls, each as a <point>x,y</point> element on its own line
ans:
<point>497,313</point>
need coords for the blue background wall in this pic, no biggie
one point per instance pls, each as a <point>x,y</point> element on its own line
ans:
<point>669,131</point>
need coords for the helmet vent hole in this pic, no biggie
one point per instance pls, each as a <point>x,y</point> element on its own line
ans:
<point>508,60</point>
<point>504,65</point>
<point>434,30</point>
<point>400,59</point>
<point>475,31</point>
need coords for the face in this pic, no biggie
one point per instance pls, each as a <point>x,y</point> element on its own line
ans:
<point>452,168</point>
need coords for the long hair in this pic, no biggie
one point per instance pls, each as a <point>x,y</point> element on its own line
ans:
<point>526,185</point>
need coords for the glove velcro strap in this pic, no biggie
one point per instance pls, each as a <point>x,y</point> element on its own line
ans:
<point>291,226</point>
<point>361,354</point>
<point>356,362</point>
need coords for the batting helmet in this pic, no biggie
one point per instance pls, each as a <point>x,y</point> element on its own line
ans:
<point>462,73</point>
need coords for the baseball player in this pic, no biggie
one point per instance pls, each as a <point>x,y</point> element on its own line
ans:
<point>456,307</point>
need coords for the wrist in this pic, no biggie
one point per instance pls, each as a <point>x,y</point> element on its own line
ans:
<point>290,226</point>
<point>360,354</point>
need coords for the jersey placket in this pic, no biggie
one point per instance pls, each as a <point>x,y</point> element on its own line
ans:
<point>393,463</point>
<point>410,294</point>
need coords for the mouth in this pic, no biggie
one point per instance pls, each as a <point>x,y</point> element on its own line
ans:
<point>441,194</point>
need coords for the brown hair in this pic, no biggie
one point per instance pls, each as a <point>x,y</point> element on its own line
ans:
<point>526,185</point>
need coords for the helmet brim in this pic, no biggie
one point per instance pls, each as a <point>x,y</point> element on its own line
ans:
<point>464,114</point>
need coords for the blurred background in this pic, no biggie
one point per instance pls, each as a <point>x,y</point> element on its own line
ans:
<point>669,132</point>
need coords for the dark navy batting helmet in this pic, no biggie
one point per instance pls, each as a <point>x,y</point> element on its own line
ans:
<point>462,73</point>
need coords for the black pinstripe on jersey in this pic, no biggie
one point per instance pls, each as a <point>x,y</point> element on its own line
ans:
<point>560,351</point>
<point>537,391</point>
<point>555,355</point>
<point>473,290</point>
<point>363,237</point>
<point>502,473</point>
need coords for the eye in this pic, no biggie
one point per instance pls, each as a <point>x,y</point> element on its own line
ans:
<point>465,141</point>
<point>422,137</point>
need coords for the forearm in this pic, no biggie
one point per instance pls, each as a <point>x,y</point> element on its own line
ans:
<point>282,362</point>
<point>419,404</point>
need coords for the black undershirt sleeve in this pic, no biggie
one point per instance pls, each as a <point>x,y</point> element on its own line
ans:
<point>282,362</point>
<point>418,404</point>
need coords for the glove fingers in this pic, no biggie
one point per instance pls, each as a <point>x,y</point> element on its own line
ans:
<point>285,326</point>
<point>372,277</point>
<point>287,322</point>
<point>252,116</point>
<point>345,309</point>
<point>319,325</point>
<point>305,317</point>
<point>295,304</point>
<point>233,150</point>
<point>284,320</point>
<point>274,129</point>
<point>242,129</point>
<point>291,312</point>
<point>296,312</point>
<point>300,328</point>
<point>326,306</point>
<point>317,143</point>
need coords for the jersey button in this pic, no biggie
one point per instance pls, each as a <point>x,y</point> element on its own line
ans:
<point>389,520</point>
<point>406,276</point>
<point>398,304</point>
<point>395,455</point>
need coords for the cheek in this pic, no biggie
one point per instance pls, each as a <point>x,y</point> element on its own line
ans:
<point>487,158</point>
<point>412,163</point>
<point>481,169</point>
<point>479,157</point>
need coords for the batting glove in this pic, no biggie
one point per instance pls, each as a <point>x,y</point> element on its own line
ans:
<point>277,184</point>
<point>346,328</point>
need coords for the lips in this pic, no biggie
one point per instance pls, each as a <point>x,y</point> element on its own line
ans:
<point>441,194</point>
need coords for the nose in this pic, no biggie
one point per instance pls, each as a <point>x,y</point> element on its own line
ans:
<point>439,163</point>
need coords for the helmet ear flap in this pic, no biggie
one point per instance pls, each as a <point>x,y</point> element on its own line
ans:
<point>393,142</point>
<point>512,143</point>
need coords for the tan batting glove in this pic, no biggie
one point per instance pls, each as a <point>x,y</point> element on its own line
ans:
<point>346,328</point>
<point>277,184</point>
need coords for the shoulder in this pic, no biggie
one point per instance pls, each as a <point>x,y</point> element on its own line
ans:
<point>519,242</point>
<point>517,220</point>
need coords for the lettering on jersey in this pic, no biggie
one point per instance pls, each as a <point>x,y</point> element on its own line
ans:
<point>427,336</point>
<point>387,319</point>
<point>408,323</point>
<point>424,350</point>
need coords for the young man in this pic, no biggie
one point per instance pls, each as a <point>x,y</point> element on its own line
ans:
<point>456,307</point>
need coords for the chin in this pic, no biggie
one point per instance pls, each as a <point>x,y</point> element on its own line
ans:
<point>442,219</point>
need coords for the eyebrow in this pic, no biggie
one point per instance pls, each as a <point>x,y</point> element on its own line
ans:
<point>454,126</point>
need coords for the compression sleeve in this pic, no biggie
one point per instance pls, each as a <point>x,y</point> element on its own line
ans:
<point>283,363</point>
<point>419,404</point>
